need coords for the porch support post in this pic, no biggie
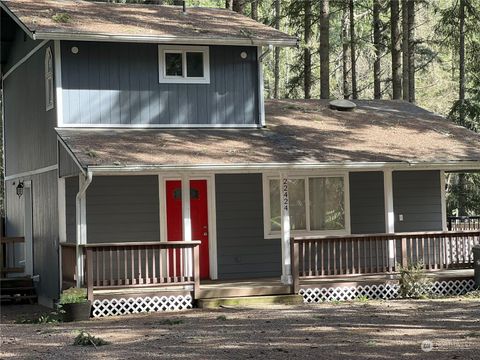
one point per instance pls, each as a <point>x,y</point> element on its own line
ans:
<point>389,214</point>
<point>81,222</point>
<point>443,195</point>
<point>286,257</point>
<point>187,223</point>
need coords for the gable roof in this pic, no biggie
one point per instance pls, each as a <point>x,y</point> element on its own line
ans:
<point>299,133</point>
<point>141,23</point>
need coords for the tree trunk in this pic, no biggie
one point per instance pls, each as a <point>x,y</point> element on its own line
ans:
<point>377,91</point>
<point>405,50</point>
<point>325,50</point>
<point>229,4</point>
<point>239,6</point>
<point>345,47</point>
<point>307,53</point>
<point>276,85</point>
<point>461,51</point>
<point>254,8</point>
<point>411,51</point>
<point>395,50</point>
<point>353,57</point>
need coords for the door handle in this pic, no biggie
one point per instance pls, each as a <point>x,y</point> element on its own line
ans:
<point>205,234</point>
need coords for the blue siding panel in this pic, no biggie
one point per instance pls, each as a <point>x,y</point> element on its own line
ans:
<point>367,203</point>
<point>417,196</point>
<point>242,250</point>
<point>117,83</point>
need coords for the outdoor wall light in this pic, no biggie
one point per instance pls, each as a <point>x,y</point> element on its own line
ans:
<point>20,189</point>
<point>243,54</point>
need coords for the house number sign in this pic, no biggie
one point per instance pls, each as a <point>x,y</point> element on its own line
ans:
<point>285,194</point>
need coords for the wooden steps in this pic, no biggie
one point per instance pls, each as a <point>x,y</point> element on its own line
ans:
<point>17,289</point>
<point>249,301</point>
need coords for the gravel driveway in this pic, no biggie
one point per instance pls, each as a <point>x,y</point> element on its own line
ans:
<point>450,329</point>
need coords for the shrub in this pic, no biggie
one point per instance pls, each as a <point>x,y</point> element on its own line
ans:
<point>47,318</point>
<point>414,282</point>
<point>73,296</point>
<point>85,339</point>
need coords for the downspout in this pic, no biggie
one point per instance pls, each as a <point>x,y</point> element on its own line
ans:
<point>261,98</point>
<point>81,224</point>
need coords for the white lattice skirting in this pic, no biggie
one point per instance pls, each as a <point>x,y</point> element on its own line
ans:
<point>383,291</point>
<point>113,307</point>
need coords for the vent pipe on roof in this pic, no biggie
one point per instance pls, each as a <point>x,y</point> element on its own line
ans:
<point>342,105</point>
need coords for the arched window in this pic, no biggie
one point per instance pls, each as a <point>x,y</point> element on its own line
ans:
<point>49,79</point>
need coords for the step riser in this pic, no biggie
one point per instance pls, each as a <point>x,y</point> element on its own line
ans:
<point>249,301</point>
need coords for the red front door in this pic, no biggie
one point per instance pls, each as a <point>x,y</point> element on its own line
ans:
<point>198,215</point>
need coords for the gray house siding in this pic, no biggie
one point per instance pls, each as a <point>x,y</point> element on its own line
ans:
<point>123,209</point>
<point>118,83</point>
<point>15,42</point>
<point>45,229</point>
<point>367,202</point>
<point>71,190</point>
<point>30,139</point>
<point>417,196</point>
<point>66,165</point>
<point>242,250</point>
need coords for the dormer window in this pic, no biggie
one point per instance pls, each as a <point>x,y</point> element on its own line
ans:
<point>49,102</point>
<point>184,64</point>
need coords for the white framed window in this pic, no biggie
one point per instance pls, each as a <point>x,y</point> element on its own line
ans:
<point>184,64</point>
<point>318,205</point>
<point>49,90</point>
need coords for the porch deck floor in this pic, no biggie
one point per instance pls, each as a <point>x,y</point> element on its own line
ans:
<point>272,286</point>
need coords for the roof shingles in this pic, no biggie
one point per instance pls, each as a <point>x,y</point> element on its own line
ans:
<point>298,132</point>
<point>147,22</point>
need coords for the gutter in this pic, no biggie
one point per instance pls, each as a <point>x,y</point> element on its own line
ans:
<point>163,39</point>
<point>81,226</point>
<point>356,166</point>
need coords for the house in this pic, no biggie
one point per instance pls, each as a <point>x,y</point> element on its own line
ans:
<point>142,162</point>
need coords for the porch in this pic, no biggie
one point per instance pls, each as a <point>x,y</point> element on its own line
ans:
<point>114,270</point>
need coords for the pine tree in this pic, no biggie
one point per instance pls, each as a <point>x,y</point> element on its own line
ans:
<point>324,50</point>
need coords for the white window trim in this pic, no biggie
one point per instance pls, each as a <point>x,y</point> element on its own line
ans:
<point>49,102</point>
<point>266,206</point>
<point>163,78</point>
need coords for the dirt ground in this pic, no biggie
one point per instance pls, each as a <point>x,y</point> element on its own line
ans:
<point>450,329</point>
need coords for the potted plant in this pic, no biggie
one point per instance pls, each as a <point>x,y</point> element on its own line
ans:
<point>74,305</point>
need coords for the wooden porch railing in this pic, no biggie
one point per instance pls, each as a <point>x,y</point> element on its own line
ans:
<point>7,251</point>
<point>462,223</point>
<point>380,253</point>
<point>68,259</point>
<point>136,264</point>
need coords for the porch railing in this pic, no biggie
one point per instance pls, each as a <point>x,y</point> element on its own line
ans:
<point>380,253</point>
<point>8,254</point>
<point>459,223</point>
<point>136,264</point>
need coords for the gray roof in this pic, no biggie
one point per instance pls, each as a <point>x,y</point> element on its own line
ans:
<point>299,132</point>
<point>86,20</point>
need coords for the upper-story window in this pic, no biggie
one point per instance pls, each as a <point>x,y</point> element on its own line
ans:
<point>49,100</point>
<point>184,64</point>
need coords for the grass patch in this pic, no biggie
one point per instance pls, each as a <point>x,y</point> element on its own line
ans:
<point>47,318</point>
<point>62,18</point>
<point>362,299</point>
<point>86,339</point>
<point>222,318</point>
<point>171,322</point>
<point>474,294</point>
